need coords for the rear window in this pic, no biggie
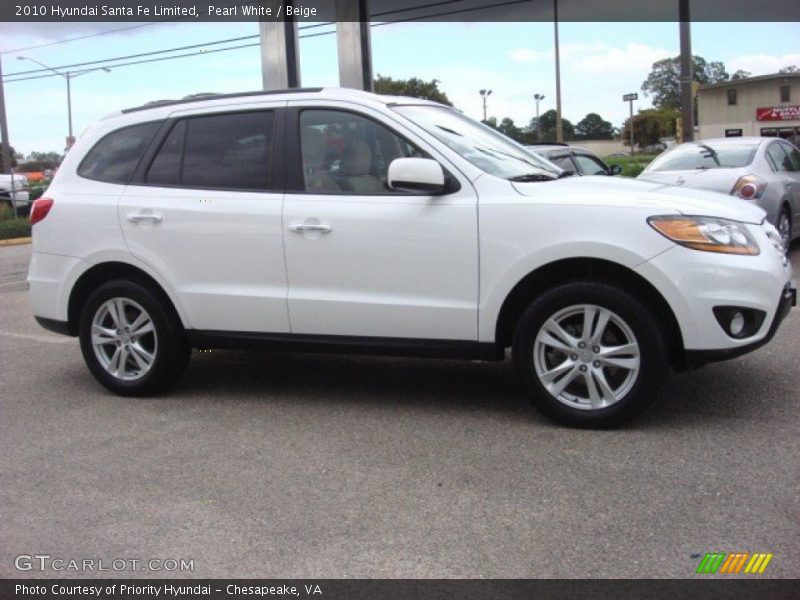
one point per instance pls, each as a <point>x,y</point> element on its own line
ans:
<point>705,156</point>
<point>114,158</point>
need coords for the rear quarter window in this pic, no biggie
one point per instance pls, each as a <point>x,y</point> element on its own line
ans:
<point>114,158</point>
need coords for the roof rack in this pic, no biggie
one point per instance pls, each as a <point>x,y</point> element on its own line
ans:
<point>548,144</point>
<point>211,96</point>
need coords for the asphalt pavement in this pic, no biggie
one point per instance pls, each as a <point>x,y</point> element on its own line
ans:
<point>301,465</point>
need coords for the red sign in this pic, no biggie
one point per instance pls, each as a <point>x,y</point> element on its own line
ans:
<point>778,113</point>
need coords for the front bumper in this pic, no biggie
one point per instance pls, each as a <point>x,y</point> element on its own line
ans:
<point>698,358</point>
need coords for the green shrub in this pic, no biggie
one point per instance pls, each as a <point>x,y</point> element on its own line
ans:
<point>15,228</point>
<point>36,192</point>
<point>631,165</point>
<point>5,212</point>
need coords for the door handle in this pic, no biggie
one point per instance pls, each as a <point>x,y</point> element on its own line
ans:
<point>144,216</point>
<point>304,227</point>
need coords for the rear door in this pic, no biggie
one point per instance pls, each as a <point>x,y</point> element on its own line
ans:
<point>205,212</point>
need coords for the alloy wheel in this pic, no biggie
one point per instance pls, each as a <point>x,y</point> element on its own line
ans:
<point>586,357</point>
<point>124,338</point>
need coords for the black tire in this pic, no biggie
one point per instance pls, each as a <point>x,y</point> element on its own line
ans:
<point>641,388</point>
<point>785,213</point>
<point>171,351</point>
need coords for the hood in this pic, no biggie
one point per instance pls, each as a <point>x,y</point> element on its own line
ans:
<point>616,191</point>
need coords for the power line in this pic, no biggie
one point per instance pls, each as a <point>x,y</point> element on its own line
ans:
<point>110,64</point>
<point>80,37</point>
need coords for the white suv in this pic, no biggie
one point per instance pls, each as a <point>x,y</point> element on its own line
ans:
<point>340,220</point>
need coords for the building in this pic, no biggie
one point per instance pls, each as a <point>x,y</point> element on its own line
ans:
<point>768,105</point>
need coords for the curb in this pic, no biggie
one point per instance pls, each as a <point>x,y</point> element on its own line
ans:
<point>15,241</point>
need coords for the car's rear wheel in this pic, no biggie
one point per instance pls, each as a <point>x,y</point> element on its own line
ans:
<point>785,227</point>
<point>590,354</point>
<point>131,342</point>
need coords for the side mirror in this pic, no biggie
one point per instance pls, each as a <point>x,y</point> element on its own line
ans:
<point>417,175</point>
<point>614,170</point>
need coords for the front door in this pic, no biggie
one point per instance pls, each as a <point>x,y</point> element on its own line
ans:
<point>364,260</point>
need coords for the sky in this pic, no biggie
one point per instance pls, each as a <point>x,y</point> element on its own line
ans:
<point>599,63</point>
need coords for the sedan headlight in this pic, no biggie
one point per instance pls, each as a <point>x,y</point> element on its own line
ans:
<point>706,233</point>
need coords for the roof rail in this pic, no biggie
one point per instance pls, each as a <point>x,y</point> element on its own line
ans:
<point>548,144</point>
<point>211,96</point>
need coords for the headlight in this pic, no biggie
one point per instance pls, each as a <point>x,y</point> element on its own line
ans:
<point>706,233</point>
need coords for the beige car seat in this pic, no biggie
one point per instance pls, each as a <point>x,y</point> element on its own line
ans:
<point>312,143</point>
<point>355,167</point>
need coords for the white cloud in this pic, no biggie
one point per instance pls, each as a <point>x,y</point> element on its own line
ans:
<point>632,58</point>
<point>526,55</point>
<point>763,64</point>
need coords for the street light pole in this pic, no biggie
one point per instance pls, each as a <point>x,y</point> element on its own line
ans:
<point>687,99</point>
<point>485,94</point>
<point>559,128</point>
<point>629,98</point>
<point>69,76</point>
<point>538,98</point>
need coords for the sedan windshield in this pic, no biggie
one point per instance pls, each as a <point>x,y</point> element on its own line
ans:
<point>705,156</point>
<point>485,148</point>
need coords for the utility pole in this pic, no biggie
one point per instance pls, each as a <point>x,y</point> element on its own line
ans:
<point>6,150</point>
<point>538,98</point>
<point>630,98</point>
<point>559,129</point>
<point>485,94</point>
<point>687,99</point>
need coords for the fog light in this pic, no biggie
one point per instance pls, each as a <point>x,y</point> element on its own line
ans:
<point>737,324</point>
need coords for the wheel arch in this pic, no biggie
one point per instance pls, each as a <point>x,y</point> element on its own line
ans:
<point>594,269</point>
<point>104,272</point>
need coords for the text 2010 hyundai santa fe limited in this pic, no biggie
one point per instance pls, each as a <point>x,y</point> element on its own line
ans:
<point>340,220</point>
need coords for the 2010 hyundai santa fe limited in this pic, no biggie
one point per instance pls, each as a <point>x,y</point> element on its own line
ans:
<point>342,220</point>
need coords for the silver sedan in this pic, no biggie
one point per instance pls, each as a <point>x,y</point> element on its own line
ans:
<point>765,171</point>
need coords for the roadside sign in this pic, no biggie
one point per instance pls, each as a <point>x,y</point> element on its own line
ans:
<point>733,133</point>
<point>630,97</point>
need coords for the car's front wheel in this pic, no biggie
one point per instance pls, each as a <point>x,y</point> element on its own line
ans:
<point>785,228</point>
<point>131,342</point>
<point>590,354</point>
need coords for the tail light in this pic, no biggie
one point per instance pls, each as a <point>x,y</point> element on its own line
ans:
<point>40,208</point>
<point>749,187</point>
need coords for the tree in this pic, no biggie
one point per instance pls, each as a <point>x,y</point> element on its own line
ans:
<point>53,157</point>
<point>741,74</point>
<point>547,124</point>
<point>414,87</point>
<point>649,126</point>
<point>663,82</point>
<point>593,127</point>
<point>790,69</point>
<point>14,156</point>
<point>508,127</point>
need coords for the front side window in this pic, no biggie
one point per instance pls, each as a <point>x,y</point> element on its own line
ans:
<point>705,156</point>
<point>563,162</point>
<point>114,158</point>
<point>229,151</point>
<point>490,151</point>
<point>590,166</point>
<point>346,153</point>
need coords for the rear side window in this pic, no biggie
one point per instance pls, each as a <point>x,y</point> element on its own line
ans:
<point>115,156</point>
<point>229,151</point>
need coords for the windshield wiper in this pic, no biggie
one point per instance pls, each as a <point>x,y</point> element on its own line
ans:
<point>566,174</point>
<point>533,177</point>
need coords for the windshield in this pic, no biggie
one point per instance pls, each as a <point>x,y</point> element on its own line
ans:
<point>705,156</point>
<point>485,148</point>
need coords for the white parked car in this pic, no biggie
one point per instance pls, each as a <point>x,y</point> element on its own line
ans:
<point>764,171</point>
<point>341,220</point>
<point>16,195</point>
